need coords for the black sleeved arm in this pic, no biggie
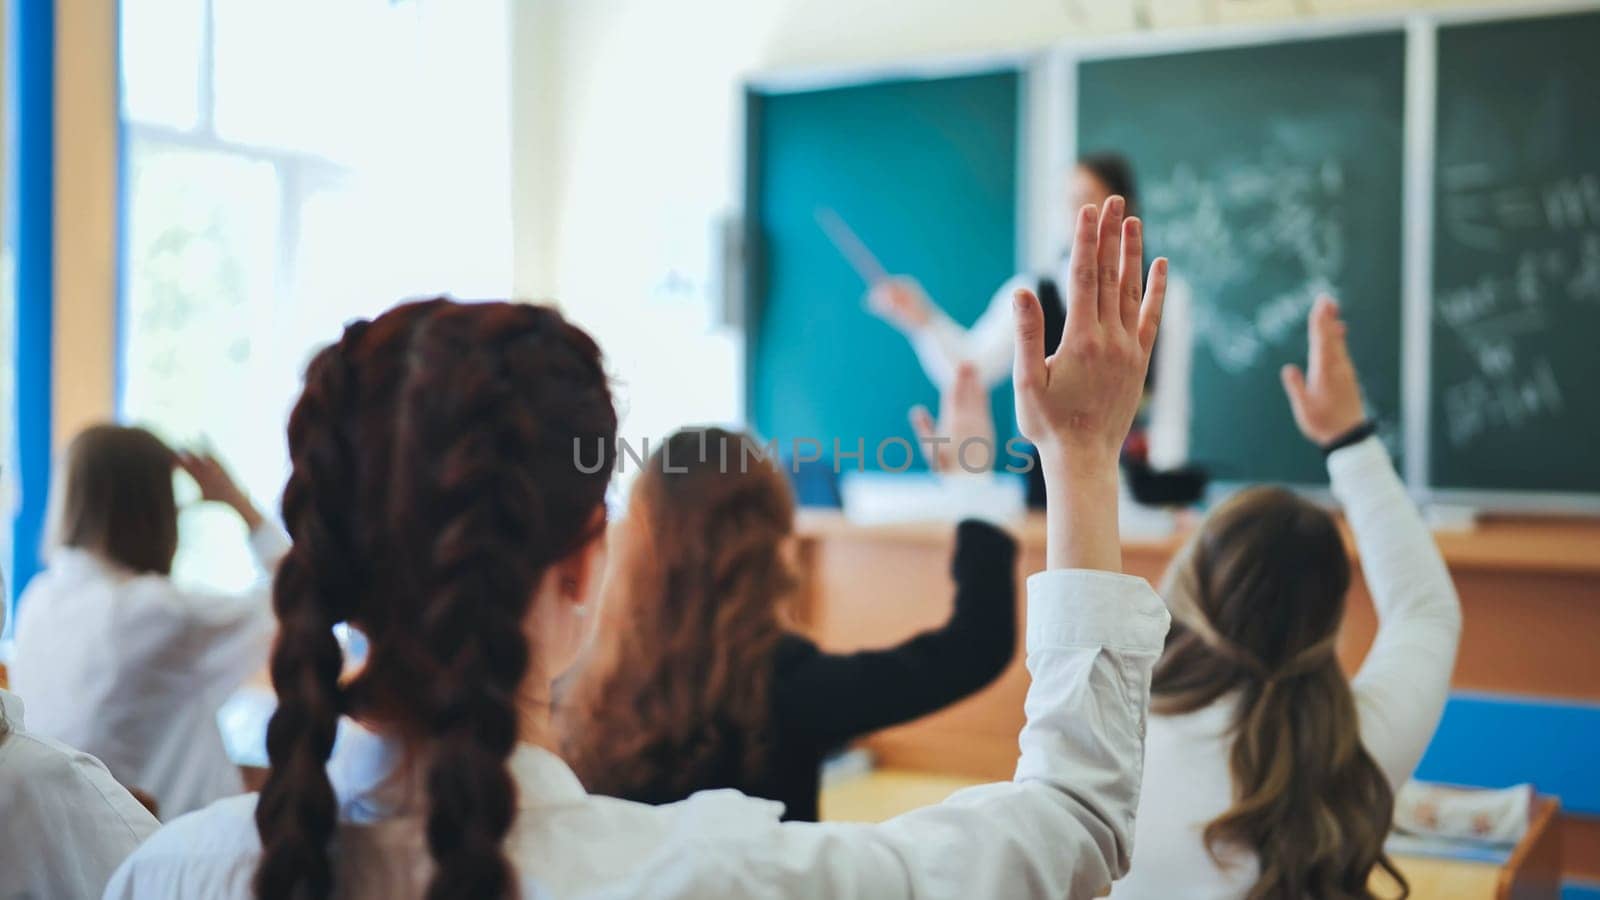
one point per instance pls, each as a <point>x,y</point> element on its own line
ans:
<point>830,698</point>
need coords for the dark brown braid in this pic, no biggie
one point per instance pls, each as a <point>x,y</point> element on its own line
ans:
<point>296,811</point>
<point>434,483</point>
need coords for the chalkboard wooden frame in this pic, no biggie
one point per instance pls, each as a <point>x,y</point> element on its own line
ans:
<point>1421,91</point>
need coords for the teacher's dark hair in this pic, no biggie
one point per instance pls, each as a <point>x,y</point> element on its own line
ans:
<point>1116,173</point>
<point>433,485</point>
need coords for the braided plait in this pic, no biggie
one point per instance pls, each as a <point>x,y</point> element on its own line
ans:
<point>482,393</point>
<point>433,484</point>
<point>296,813</point>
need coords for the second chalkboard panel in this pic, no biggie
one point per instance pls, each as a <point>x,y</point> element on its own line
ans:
<point>1516,265</point>
<point>1268,175</point>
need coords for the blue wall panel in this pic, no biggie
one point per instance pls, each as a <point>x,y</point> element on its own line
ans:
<point>33,231</point>
<point>1496,741</point>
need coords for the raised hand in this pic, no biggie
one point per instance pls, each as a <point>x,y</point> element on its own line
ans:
<point>965,419</point>
<point>1326,401</point>
<point>901,302</point>
<point>217,485</point>
<point>1077,405</point>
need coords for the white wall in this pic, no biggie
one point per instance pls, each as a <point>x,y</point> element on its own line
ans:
<point>628,149</point>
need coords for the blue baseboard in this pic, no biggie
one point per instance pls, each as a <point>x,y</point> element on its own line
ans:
<point>1580,890</point>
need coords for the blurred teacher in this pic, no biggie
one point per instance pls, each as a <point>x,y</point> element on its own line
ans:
<point>941,344</point>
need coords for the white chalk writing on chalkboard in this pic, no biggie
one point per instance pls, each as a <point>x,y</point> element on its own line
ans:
<point>1237,343</point>
<point>1585,281</point>
<point>1486,402</point>
<point>1540,240</point>
<point>1479,212</point>
<point>1573,202</point>
<point>1224,227</point>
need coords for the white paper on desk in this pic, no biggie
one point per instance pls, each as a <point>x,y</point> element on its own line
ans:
<point>1497,817</point>
<point>891,498</point>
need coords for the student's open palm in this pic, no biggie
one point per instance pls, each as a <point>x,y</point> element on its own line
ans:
<point>215,483</point>
<point>218,486</point>
<point>1078,404</point>
<point>1326,400</point>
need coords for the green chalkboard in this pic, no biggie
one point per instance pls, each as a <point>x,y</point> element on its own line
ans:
<point>1516,266</point>
<point>925,173</point>
<point>1268,174</point>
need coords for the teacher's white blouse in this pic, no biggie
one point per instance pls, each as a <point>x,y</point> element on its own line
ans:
<point>1061,829</point>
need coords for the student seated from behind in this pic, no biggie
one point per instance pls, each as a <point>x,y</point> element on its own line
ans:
<point>114,658</point>
<point>1268,773</point>
<point>448,498</point>
<point>698,684</point>
<point>65,823</point>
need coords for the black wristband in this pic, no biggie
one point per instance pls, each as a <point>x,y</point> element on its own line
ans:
<point>1356,435</point>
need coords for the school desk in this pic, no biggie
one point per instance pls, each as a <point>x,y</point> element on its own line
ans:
<point>1530,594</point>
<point>1531,872</point>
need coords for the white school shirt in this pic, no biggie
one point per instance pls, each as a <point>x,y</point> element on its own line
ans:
<point>1061,829</point>
<point>132,669</point>
<point>1400,692</point>
<point>941,345</point>
<point>65,823</point>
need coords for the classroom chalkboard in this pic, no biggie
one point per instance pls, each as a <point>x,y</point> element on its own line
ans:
<point>1515,336</point>
<point>924,171</point>
<point>1268,174</point>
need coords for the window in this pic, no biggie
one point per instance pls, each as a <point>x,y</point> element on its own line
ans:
<point>290,166</point>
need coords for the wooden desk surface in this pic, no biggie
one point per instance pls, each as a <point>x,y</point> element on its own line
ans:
<point>1507,544</point>
<point>886,793</point>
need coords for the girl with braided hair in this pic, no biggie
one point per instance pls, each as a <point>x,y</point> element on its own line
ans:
<point>447,499</point>
<point>1269,773</point>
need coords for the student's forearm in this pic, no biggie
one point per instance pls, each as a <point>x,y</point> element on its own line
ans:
<point>1405,572</point>
<point>248,512</point>
<point>1081,515</point>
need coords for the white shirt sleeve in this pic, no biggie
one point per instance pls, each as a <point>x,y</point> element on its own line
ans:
<point>941,345</point>
<point>234,632</point>
<point>1169,402</point>
<point>1061,829</point>
<point>269,544</point>
<point>65,823</point>
<point>1402,685</point>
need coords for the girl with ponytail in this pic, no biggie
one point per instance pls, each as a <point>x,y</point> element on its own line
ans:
<point>447,500</point>
<point>1268,773</point>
